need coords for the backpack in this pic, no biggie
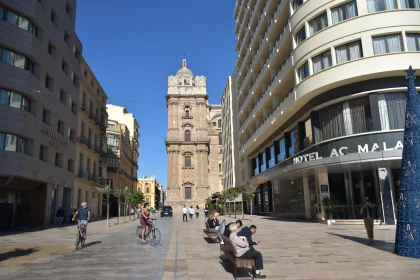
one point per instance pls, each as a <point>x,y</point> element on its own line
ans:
<point>221,230</point>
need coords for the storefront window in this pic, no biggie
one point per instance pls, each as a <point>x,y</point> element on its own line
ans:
<point>256,166</point>
<point>263,164</point>
<point>290,199</point>
<point>392,110</point>
<point>294,142</point>
<point>281,150</point>
<point>340,200</point>
<point>271,157</point>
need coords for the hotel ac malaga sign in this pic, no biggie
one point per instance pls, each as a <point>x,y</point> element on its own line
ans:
<point>353,145</point>
<point>56,141</point>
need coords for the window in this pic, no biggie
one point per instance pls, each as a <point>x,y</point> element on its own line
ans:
<point>147,189</point>
<point>220,139</point>
<point>187,135</point>
<point>387,44</point>
<point>219,123</point>
<point>74,108</point>
<point>75,80</point>
<point>60,127</point>
<point>381,5</point>
<point>51,48</point>
<point>63,98</point>
<point>72,135</point>
<point>17,60</point>
<point>392,110</point>
<point>318,23</point>
<point>18,20</point>
<point>296,4</point>
<point>343,12</point>
<point>308,141</point>
<point>110,182</point>
<point>188,193</point>
<point>85,74</point>
<point>294,141</point>
<point>263,162</point>
<point>15,100</point>
<point>220,168</point>
<point>322,61</point>
<point>281,150</point>
<point>303,71</point>
<point>187,113</point>
<point>256,166</point>
<point>87,196</point>
<point>58,160</point>
<point>65,67</point>
<point>76,53</point>
<point>69,10</point>
<point>12,143</point>
<point>46,117</point>
<point>48,82</point>
<point>70,165</point>
<point>300,36</point>
<point>42,153</point>
<point>79,198</point>
<point>410,4</point>
<point>348,52</point>
<point>187,161</point>
<point>100,171</point>
<point>92,83</point>
<point>66,36</point>
<point>53,16</point>
<point>413,42</point>
<point>271,156</point>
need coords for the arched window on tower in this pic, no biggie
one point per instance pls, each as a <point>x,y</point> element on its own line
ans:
<point>187,135</point>
<point>187,161</point>
<point>220,138</point>
<point>219,123</point>
<point>187,113</point>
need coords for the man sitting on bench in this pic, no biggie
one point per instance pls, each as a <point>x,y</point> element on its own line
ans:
<point>243,251</point>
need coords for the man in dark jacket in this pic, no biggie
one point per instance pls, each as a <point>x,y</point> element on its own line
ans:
<point>60,216</point>
<point>248,232</point>
<point>368,214</point>
<point>226,233</point>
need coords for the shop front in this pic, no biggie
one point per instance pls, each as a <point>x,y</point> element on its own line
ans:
<point>343,172</point>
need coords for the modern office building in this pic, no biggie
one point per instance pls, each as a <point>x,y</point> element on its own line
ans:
<point>91,146</point>
<point>321,102</point>
<point>230,153</point>
<point>40,70</point>
<point>123,144</point>
<point>194,141</point>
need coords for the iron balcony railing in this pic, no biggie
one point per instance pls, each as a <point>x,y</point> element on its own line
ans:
<point>112,169</point>
<point>82,174</point>
<point>84,140</point>
<point>187,140</point>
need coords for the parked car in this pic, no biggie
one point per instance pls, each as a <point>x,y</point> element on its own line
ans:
<point>166,211</point>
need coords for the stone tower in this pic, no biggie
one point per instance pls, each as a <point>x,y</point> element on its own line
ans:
<point>189,140</point>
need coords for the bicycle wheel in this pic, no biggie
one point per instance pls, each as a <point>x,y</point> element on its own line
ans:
<point>154,237</point>
<point>138,235</point>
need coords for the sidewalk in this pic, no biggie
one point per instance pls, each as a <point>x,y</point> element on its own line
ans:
<point>41,245</point>
<point>292,250</point>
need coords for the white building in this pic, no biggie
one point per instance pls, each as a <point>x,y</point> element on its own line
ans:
<point>321,102</point>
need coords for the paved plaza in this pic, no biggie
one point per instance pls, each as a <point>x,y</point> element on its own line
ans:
<point>291,250</point>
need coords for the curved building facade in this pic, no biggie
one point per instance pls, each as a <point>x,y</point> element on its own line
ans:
<point>321,102</point>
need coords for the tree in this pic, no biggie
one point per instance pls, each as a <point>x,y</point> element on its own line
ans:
<point>248,191</point>
<point>135,199</point>
<point>126,194</point>
<point>230,194</point>
<point>118,192</point>
<point>107,191</point>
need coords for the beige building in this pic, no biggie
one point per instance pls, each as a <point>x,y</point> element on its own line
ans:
<point>321,102</point>
<point>122,136</point>
<point>230,155</point>
<point>151,190</point>
<point>193,140</point>
<point>91,153</point>
<point>40,71</point>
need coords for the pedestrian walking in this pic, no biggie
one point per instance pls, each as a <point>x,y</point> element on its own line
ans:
<point>206,211</point>
<point>197,212</point>
<point>184,214</point>
<point>367,213</point>
<point>191,211</point>
<point>60,216</point>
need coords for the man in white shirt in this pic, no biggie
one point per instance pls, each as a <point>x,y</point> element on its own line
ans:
<point>184,214</point>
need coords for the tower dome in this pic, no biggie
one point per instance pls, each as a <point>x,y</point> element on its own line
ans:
<point>184,71</point>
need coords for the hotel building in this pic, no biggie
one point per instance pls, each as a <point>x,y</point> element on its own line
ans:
<point>40,70</point>
<point>321,102</point>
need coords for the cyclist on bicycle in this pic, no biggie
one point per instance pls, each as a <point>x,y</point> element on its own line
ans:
<point>84,217</point>
<point>145,220</point>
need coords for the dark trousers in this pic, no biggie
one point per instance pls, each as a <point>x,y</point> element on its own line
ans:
<point>206,214</point>
<point>191,216</point>
<point>197,214</point>
<point>369,222</point>
<point>184,218</point>
<point>256,256</point>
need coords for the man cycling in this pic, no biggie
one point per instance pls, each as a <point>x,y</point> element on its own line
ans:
<point>83,219</point>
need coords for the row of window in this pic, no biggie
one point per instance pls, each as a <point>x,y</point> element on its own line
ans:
<point>92,84</point>
<point>16,59</point>
<point>338,120</point>
<point>347,11</point>
<point>381,45</point>
<point>18,20</point>
<point>15,100</point>
<point>88,166</point>
<point>12,143</point>
<point>61,126</point>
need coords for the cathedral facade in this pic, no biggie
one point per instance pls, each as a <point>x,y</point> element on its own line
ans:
<point>193,142</point>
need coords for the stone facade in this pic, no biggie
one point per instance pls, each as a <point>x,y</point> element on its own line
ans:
<point>193,141</point>
<point>151,190</point>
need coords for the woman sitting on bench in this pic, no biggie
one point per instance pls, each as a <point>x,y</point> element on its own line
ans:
<point>244,251</point>
<point>212,222</point>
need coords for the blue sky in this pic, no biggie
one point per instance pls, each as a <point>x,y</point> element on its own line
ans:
<point>132,50</point>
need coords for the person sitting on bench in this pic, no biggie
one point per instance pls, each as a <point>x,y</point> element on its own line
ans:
<point>243,250</point>
<point>211,221</point>
<point>226,233</point>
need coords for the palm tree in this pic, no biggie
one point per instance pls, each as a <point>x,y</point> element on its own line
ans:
<point>107,190</point>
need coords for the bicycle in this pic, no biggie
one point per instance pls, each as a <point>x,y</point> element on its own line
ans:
<point>151,236</point>
<point>81,236</point>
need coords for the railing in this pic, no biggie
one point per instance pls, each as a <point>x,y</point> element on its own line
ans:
<point>102,181</point>
<point>91,177</point>
<point>97,150</point>
<point>187,117</point>
<point>113,149</point>
<point>102,154</point>
<point>112,169</point>
<point>188,167</point>
<point>182,139</point>
<point>82,174</point>
<point>84,109</point>
<point>83,139</point>
<point>92,116</point>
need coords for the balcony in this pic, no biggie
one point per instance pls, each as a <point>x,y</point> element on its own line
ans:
<point>83,140</point>
<point>84,109</point>
<point>97,149</point>
<point>182,140</point>
<point>113,149</point>
<point>188,167</point>
<point>112,169</point>
<point>82,174</point>
<point>187,117</point>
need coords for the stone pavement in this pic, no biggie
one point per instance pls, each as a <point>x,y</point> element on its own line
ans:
<point>291,250</point>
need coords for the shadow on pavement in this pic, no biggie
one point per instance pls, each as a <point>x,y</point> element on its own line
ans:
<point>17,253</point>
<point>92,243</point>
<point>378,244</point>
<point>284,219</point>
<point>241,272</point>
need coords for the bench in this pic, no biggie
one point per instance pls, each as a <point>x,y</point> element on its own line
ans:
<point>230,252</point>
<point>210,235</point>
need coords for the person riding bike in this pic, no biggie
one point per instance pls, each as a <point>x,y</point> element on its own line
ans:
<point>145,220</point>
<point>83,218</point>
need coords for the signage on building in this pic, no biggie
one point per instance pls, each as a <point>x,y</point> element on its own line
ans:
<point>324,188</point>
<point>312,182</point>
<point>56,141</point>
<point>353,145</point>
